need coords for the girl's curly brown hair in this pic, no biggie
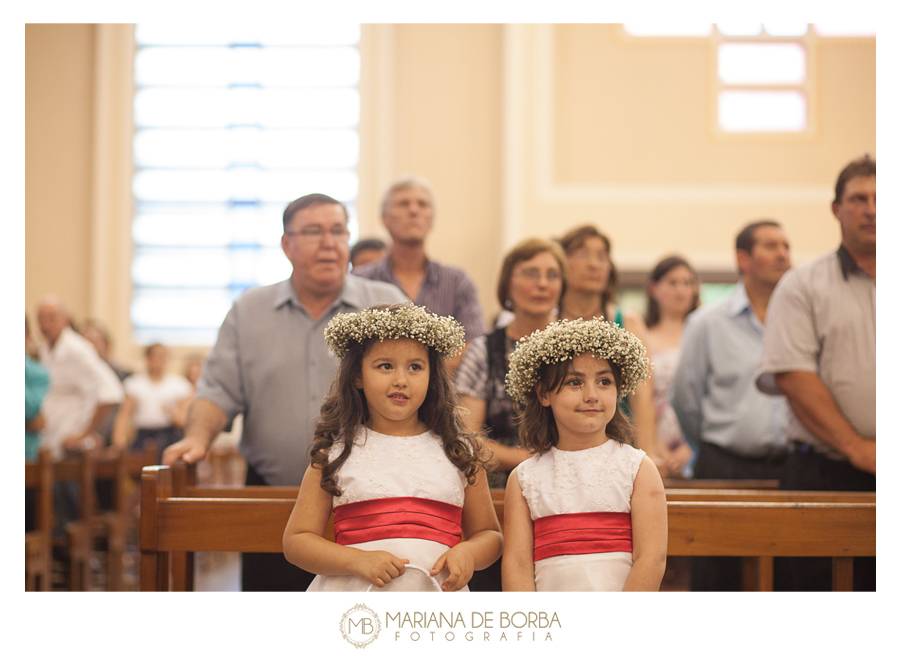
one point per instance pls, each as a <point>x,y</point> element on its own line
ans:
<point>345,409</point>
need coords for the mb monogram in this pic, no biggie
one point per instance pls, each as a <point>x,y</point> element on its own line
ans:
<point>360,625</point>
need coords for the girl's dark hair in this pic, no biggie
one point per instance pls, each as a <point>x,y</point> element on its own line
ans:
<point>662,268</point>
<point>345,409</point>
<point>575,239</point>
<point>537,425</point>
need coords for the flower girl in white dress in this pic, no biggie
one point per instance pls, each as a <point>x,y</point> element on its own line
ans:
<point>588,511</point>
<point>390,458</point>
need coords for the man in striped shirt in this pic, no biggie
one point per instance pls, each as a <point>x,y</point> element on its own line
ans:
<point>407,212</point>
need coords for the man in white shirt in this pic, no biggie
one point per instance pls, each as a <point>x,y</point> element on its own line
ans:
<point>83,387</point>
<point>83,390</point>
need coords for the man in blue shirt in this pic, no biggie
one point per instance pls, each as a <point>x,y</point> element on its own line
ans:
<point>736,431</point>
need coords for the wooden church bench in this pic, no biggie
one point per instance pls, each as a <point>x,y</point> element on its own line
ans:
<point>39,540</point>
<point>761,531</point>
<point>757,531</point>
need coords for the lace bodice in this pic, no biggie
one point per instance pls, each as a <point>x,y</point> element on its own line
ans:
<point>599,479</point>
<point>382,466</point>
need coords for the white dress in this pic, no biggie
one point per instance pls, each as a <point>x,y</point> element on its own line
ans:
<point>665,362</point>
<point>382,466</point>
<point>599,479</point>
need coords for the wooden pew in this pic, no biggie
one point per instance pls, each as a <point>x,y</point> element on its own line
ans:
<point>186,525</point>
<point>184,484</point>
<point>766,496</point>
<point>763,530</point>
<point>689,483</point>
<point>114,526</point>
<point>78,540</point>
<point>39,541</point>
<point>111,464</point>
<point>136,461</point>
<point>755,530</point>
<point>758,570</point>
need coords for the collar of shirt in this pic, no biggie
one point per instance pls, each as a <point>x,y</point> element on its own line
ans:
<point>848,265</point>
<point>384,268</point>
<point>349,295</point>
<point>48,353</point>
<point>739,304</point>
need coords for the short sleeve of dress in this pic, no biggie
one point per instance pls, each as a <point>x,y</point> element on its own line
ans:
<point>632,461</point>
<point>472,374</point>
<point>524,472</point>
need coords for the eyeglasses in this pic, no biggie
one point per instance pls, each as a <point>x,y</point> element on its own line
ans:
<point>585,255</point>
<point>317,233</point>
<point>534,274</point>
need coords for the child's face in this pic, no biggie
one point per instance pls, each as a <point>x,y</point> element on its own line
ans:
<point>394,376</point>
<point>586,402</point>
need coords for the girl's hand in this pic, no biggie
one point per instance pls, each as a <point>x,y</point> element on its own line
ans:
<point>379,567</point>
<point>461,565</point>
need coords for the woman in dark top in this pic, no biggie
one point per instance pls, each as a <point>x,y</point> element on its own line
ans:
<point>531,283</point>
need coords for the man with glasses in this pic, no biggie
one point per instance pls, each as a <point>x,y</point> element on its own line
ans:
<point>271,364</point>
<point>407,212</point>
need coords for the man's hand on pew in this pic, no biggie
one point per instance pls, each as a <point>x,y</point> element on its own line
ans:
<point>205,421</point>
<point>189,450</point>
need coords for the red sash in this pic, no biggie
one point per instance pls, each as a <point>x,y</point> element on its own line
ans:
<point>388,518</point>
<point>577,534</point>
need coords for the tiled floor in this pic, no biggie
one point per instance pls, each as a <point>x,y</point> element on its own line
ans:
<point>217,572</point>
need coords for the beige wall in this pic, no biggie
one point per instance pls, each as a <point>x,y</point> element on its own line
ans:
<point>621,133</point>
<point>522,129</point>
<point>59,106</point>
<point>440,88</point>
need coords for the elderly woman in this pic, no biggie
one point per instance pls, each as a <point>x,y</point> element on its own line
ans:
<point>532,281</point>
<point>591,293</point>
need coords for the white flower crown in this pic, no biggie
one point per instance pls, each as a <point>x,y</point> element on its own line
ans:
<point>565,340</point>
<point>405,320</point>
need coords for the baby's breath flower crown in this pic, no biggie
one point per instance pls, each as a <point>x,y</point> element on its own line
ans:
<point>406,320</point>
<point>565,340</point>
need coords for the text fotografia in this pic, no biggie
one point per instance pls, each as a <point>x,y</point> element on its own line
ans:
<point>478,626</point>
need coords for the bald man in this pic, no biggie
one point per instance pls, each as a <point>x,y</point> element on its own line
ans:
<point>83,388</point>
